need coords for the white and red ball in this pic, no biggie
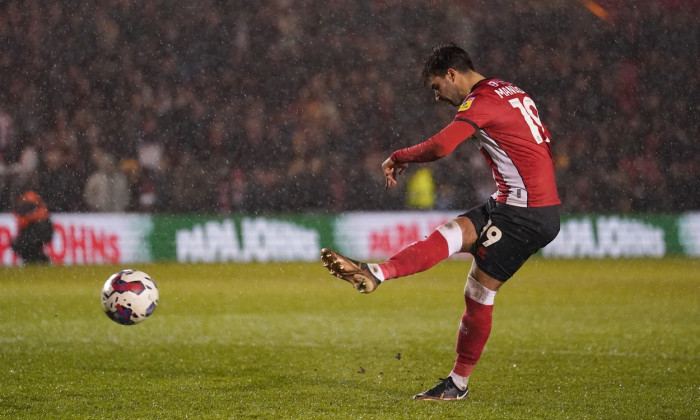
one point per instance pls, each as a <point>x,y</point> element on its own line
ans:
<point>129,297</point>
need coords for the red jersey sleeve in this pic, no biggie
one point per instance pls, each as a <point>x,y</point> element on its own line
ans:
<point>438,146</point>
<point>477,109</point>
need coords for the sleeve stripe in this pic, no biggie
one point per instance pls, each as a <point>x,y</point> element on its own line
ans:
<point>470,122</point>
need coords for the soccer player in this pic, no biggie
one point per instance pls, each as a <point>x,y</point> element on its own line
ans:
<point>521,217</point>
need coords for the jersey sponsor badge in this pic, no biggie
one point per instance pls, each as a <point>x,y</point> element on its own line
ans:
<point>466,105</point>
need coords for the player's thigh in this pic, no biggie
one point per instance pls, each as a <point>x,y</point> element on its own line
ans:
<point>469,235</point>
<point>472,223</point>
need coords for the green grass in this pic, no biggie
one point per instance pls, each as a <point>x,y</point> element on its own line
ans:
<point>571,339</point>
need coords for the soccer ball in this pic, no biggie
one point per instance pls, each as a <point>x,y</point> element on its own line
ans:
<point>129,297</point>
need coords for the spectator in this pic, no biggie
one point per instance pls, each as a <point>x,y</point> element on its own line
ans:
<point>34,228</point>
<point>107,189</point>
<point>23,174</point>
<point>59,181</point>
<point>193,185</point>
<point>283,85</point>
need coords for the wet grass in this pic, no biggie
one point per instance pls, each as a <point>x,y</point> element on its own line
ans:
<point>571,339</point>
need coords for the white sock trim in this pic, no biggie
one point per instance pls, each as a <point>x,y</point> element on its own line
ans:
<point>478,293</point>
<point>460,381</point>
<point>374,268</point>
<point>453,235</point>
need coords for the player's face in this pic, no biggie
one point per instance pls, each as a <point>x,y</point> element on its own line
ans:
<point>446,89</point>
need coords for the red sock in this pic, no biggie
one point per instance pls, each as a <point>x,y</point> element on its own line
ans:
<point>473,333</point>
<point>417,257</point>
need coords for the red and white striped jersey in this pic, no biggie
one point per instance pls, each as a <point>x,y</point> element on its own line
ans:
<point>504,123</point>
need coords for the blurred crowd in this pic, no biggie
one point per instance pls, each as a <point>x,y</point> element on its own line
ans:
<point>172,106</point>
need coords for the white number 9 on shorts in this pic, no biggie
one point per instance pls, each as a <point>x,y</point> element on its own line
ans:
<point>493,235</point>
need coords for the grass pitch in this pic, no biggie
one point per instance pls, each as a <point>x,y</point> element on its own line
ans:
<point>571,339</point>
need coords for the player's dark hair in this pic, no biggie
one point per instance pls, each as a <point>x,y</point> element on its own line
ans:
<point>445,56</point>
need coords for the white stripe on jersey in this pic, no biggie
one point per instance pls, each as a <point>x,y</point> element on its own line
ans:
<point>517,194</point>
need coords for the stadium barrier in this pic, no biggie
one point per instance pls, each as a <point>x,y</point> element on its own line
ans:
<point>81,239</point>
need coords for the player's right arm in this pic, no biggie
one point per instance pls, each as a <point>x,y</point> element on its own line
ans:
<point>392,170</point>
<point>436,147</point>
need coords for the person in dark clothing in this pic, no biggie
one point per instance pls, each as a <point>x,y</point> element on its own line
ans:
<point>34,228</point>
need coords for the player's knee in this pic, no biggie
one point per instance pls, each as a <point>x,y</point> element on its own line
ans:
<point>478,292</point>
<point>452,232</point>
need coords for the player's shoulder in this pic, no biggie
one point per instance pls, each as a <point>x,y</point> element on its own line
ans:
<point>490,91</point>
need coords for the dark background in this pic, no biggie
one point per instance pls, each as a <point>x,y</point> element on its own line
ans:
<point>218,107</point>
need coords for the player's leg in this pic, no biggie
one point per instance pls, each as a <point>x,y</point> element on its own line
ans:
<point>457,235</point>
<point>475,326</point>
<point>454,236</point>
<point>508,237</point>
<point>447,239</point>
<point>474,331</point>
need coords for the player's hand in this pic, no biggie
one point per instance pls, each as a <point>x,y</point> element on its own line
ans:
<point>392,170</point>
